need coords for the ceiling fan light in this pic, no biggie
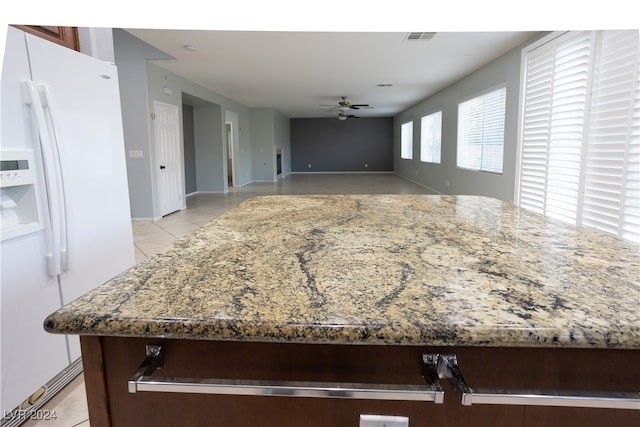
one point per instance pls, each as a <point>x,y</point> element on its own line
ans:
<point>342,117</point>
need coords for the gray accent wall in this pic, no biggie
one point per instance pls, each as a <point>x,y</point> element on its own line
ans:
<point>131,55</point>
<point>446,177</point>
<point>210,149</point>
<point>270,130</point>
<point>332,145</point>
<point>263,153</point>
<point>97,42</point>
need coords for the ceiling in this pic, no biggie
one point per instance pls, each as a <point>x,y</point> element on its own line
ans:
<point>296,72</point>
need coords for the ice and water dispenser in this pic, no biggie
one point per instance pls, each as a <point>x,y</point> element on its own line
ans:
<point>18,194</point>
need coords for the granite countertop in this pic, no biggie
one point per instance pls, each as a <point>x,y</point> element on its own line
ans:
<point>383,269</point>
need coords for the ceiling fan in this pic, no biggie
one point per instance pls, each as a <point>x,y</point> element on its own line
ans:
<point>344,106</point>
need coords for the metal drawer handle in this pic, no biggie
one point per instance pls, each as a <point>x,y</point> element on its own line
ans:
<point>142,380</point>
<point>448,368</point>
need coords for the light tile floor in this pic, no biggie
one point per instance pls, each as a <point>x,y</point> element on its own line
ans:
<point>149,237</point>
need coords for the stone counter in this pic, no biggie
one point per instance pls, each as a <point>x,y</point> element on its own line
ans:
<point>376,269</point>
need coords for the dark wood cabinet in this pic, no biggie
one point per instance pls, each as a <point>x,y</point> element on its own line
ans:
<point>110,361</point>
<point>65,36</point>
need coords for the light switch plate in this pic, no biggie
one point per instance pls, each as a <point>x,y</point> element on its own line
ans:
<point>383,421</point>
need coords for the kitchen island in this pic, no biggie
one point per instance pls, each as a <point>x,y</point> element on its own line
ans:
<point>356,289</point>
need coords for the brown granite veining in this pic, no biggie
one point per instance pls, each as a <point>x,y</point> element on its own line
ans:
<point>399,269</point>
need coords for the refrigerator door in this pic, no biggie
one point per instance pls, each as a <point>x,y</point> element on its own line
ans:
<point>30,356</point>
<point>83,108</point>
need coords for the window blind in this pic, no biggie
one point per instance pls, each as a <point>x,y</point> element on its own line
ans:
<point>580,152</point>
<point>406,140</point>
<point>431,137</point>
<point>481,132</point>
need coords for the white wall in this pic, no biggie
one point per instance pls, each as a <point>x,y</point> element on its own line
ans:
<point>504,70</point>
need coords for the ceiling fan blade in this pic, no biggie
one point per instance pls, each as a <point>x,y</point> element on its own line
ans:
<point>344,106</point>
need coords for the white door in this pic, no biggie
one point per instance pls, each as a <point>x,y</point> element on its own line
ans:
<point>168,158</point>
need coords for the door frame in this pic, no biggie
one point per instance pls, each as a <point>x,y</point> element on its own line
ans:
<point>230,151</point>
<point>231,117</point>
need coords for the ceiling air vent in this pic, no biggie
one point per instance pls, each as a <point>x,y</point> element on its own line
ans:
<point>420,36</point>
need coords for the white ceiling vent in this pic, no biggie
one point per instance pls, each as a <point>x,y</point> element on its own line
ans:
<point>420,36</point>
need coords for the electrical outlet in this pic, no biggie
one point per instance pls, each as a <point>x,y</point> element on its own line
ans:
<point>383,421</point>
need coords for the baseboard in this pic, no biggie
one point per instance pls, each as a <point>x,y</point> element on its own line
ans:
<point>21,413</point>
<point>420,184</point>
<point>342,173</point>
<point>206,192</point>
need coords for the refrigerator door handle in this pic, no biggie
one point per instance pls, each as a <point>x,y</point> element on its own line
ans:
<point>56,143</point>
<point>52,213</point>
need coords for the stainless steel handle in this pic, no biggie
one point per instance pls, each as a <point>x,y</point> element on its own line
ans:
<point>142,380</point>
<point>448,368</point>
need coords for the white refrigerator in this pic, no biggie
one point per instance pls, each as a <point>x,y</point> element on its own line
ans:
<point>66,224</point>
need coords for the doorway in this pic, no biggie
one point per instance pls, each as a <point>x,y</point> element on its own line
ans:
<point>229,129</point>
<point>233,149</point>
<point>166,124</point>
<point>209,157</point>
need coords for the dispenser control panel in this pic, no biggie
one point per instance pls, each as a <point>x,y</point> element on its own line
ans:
<point>19,199</point>
<point>15,171</point>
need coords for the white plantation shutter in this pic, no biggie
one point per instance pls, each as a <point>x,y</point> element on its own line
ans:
<point>481,131</point>
<point>536,128</point>
<point>580,136</point>
<point>611,195</point>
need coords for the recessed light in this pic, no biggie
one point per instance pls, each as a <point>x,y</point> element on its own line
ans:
<point>189,48</point>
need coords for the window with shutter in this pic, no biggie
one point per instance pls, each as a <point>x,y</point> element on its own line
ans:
<point>580,141</point>
<point>430,137</point>
<point>481,132</point>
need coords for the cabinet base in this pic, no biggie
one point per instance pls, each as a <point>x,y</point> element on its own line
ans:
<point>109,362</point>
